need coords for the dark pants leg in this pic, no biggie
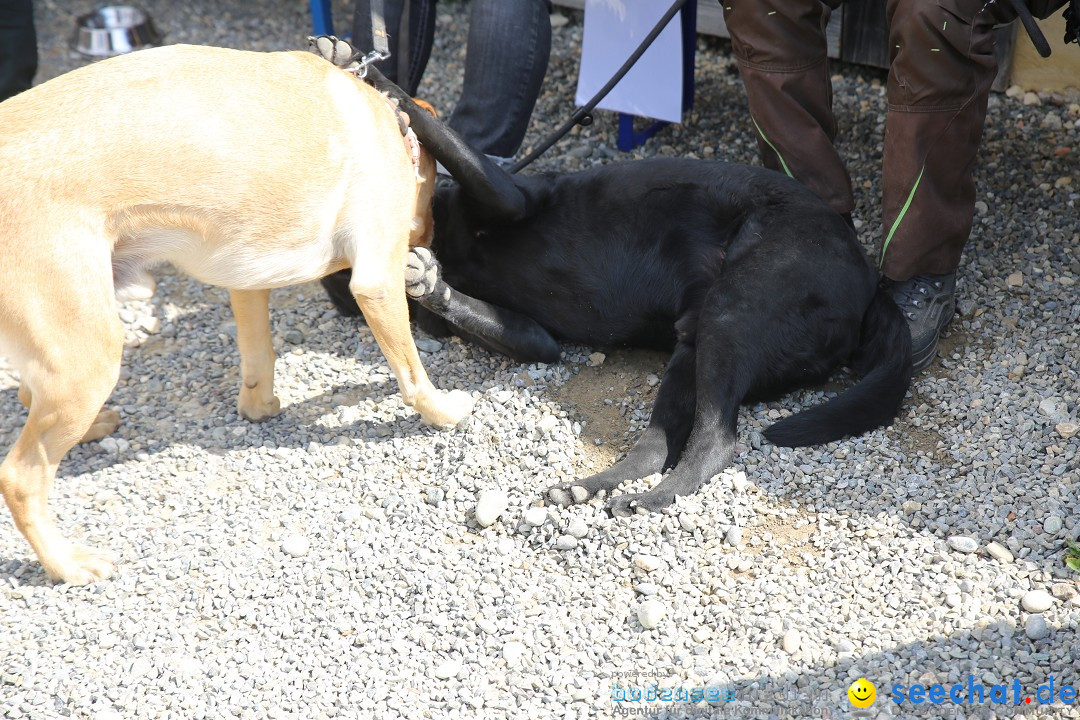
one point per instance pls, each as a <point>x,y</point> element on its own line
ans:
<point>18,47</point>
<point>781,49</point>
<point>507,55</point>
<point>942,67</point>
<point>939,81</point>
<point>506,59</point>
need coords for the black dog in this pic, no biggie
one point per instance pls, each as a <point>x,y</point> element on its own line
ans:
<point>756,286</point>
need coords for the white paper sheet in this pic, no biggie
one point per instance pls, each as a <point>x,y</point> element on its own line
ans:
<point>613,29</point>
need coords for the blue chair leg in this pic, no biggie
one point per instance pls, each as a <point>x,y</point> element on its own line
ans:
<point>322,20</point>
<point>628,138</point>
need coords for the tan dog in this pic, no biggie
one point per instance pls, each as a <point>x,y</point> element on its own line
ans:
<point>245,170</point>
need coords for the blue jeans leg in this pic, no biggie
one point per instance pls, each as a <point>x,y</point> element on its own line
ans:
<point>507,56</point>
<point>18,47</point>
<point>405,71</point>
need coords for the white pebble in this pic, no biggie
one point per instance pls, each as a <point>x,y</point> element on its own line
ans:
<point>1037,601</point>
<point>535,516</point>
<point>733,536</point>
<point>566,542</point>
<point>791,641</point>
<point>650,613</point>
<point>490,505</point>
<point>646,588</point>
<point>448,669</point>
<point>547,424</point>
<point>597,358</point>
<point>578,529</point>
<point>648,563</point>
<point>999,552</point>
<point>964,544</point>
<point>296,545</point>
<point>513,651</point>
<point>351,515</point>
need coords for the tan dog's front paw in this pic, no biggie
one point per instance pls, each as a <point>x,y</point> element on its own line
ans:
<point>104,424</point>
<point>445,410</point>
<point>254,407</point>
<point>79,565</point>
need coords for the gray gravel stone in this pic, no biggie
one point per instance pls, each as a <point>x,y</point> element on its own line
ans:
<point>1036,628</point>
<point>1053,524</point>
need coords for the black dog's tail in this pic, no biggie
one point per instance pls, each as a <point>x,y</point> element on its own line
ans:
<point>883,361</point>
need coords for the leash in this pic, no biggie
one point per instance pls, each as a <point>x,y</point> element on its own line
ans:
<point>1037,38</point>
<point>583,115</point>
<point>1044,10</point>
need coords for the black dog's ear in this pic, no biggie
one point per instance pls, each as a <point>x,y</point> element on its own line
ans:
<point>480,178</point>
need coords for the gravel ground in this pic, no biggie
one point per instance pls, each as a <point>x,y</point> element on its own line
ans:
<point>329,563</point>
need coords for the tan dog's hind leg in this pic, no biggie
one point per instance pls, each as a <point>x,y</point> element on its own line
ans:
<point>104,424</point>
<point>380,293</point>
<point>67,385</point>
<point>252,310</point>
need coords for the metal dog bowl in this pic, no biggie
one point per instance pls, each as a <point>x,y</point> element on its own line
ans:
<point>114,30</point>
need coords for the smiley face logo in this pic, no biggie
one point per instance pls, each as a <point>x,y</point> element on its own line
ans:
<point>862,693</point>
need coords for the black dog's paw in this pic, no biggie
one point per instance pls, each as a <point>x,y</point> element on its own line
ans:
<point>642,503</point>
<point>331,48</point>
<point>421,274</point>
<point>574,493</point>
